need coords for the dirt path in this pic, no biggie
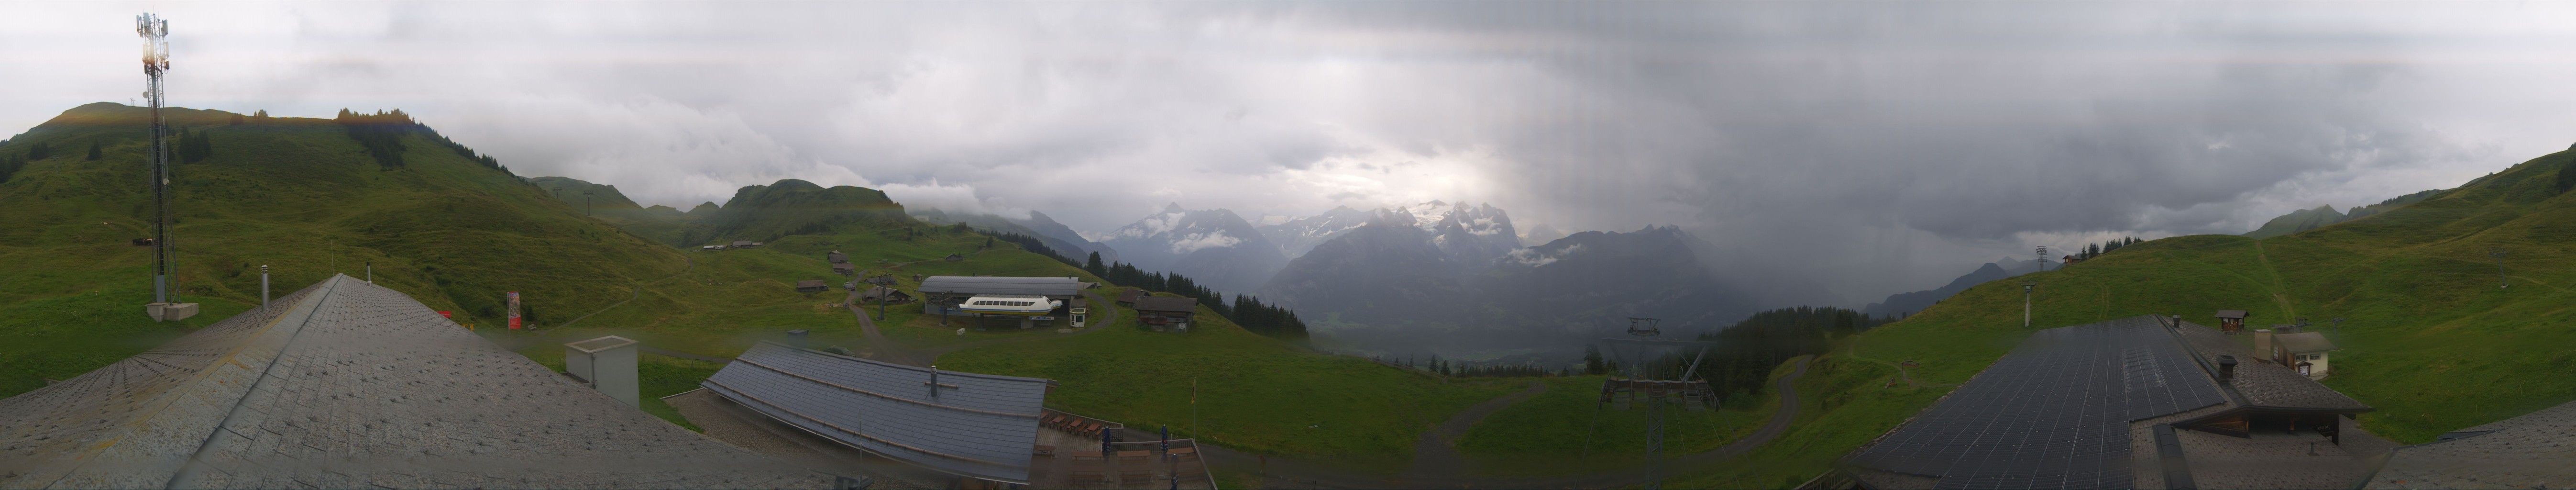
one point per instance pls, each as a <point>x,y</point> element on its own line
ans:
<point>1286,473</point>
<point>879,347</point>
<point>1435,454</point>
<point>686,263</point>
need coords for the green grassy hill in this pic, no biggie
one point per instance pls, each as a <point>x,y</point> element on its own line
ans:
<point>2428,337</point>
<point>297,194</point>
<point>456,231</point>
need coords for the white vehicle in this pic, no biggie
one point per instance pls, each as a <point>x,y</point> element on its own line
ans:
<point>1010,305</point>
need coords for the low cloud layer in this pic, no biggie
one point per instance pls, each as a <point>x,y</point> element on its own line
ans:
<point>1866,147</point>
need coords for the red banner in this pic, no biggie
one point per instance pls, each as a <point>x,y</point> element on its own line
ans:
<point>447,314</point>
<point>514,310</point>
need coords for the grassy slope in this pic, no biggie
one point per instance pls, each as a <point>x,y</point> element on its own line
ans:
<point>1563,431</point>
<point>292,193</point>
<point>2428,338</point>
<point>1253,393</point>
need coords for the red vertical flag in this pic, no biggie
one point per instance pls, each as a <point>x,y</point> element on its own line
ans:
<point>514,310</point>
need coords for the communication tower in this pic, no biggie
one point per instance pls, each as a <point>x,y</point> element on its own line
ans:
<point>156,59</point>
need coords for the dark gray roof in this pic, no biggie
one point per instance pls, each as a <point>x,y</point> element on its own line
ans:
<point>1166,303</point>
<point>1052,287</point>
<point>813,283</point>
<point>2304,342</point>
<point>2053,413</point>
<point>2231,313</point>
<point>976,425</point>
<point>345,385</point>
<point>2530,451</point>
<point>2263,384</point>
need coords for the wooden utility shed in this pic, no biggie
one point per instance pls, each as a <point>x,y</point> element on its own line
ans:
<point>1166,313</point>
<point>2231,321</point>
<point>812,286</point>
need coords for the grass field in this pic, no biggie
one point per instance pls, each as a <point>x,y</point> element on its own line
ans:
<point>2428,337</point>
<point>1252,392</point>
<point>1562,432</point>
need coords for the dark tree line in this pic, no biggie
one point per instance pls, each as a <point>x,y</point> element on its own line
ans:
<point>2097,249</point>
<point>193,146</point>
<point>380,133</point>
<point>1455,369</point>
<point>1032,244</point>
<point>1245,311</point>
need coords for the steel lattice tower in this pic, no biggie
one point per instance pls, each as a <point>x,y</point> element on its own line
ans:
<point>156,59</point>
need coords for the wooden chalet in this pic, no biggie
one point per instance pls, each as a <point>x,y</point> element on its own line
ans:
<point>1166,313</point>
<point>1129,296</point>
<point>837,257</point>
<point>844,268</point>
<point>812,286</point>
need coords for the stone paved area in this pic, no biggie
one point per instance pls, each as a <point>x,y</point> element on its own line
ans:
<point>350,385</point>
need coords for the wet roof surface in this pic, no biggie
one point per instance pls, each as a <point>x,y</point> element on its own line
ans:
<point>2053,413</point>
<point>1055,287</point>
<point>976,425</point>
<point>343,385</point>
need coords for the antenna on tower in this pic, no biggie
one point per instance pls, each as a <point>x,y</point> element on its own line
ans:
<point>156,59</point>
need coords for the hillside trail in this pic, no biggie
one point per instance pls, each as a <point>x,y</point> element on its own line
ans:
<point>686,263</point>
<point>1435,454</point>
<point>1901,373</point>
<point>2277,287</point>
<point>1288,473</point>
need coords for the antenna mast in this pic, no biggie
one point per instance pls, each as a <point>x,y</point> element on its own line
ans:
<point>156,59</point>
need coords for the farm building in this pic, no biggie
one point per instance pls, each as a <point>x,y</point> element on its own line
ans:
<point>844,268</point>
<point>2158,403</point>
<point>745,244</point>
<point>2304,352</point>
<point>1129,296</point>
<point>812,286</point>
<point>1165,312</point>
<point>954,258</point>
<point>837,257</point>
<point>890,295</point>
<point>945,295</point>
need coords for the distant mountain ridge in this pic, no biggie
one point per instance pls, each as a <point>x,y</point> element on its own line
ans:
<point>1215,247</point>
<point>1901,304</point>
<point>2321,216</point>
<point>1463,232</point>
<point>1393,277</point>
<point>1055,235</point>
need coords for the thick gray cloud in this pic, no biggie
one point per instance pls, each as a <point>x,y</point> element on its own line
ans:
<point>1865,148</point>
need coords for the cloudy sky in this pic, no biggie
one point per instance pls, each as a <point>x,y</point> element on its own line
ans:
<point>1866,147</point>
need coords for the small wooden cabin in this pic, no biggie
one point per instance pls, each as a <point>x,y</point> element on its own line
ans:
<point>1166,313</point>
<point>2231,321</point>
<point>812,286</point>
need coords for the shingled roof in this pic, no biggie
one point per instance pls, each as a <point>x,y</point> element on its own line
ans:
<point>1051,287</point>
<point>1167,304</point>
<point>2530,451</point>
<point>2263,384</point>
<point>345,385</point>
